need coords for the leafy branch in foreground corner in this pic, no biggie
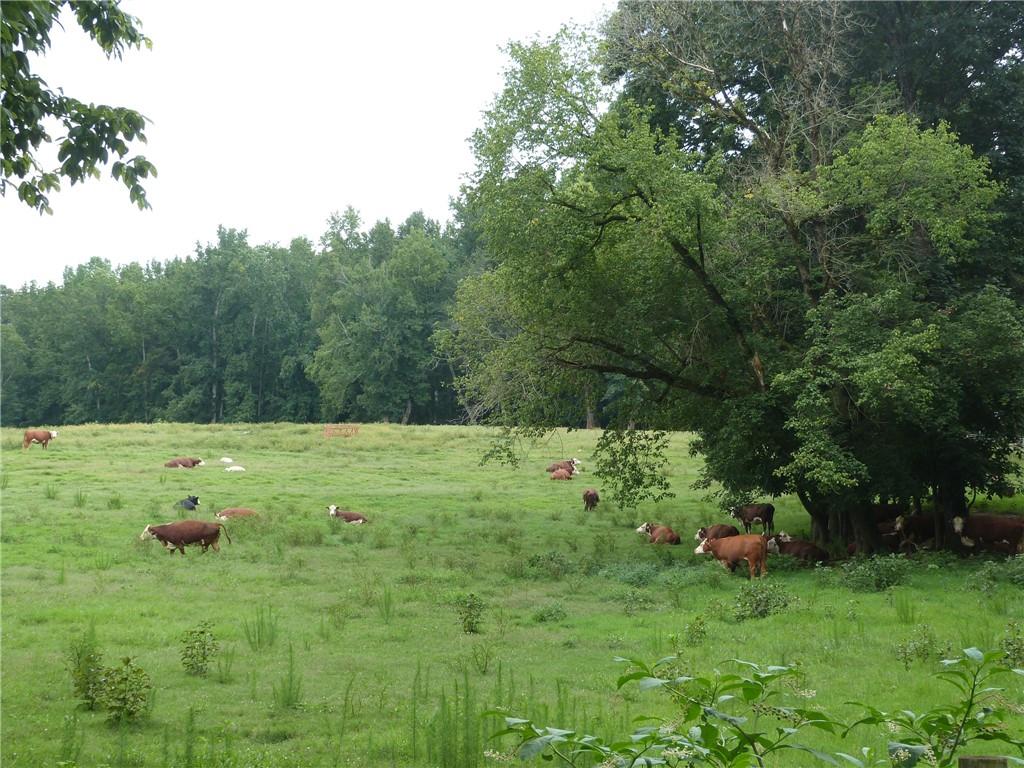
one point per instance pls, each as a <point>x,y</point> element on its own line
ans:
<point>935,736</point>
<point>705,730</point>
<point>631,463</point>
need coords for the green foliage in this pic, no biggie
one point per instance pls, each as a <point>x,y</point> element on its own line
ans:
<point>551,564</point>
<point>470,609</point>
<point>695,632</point>
<point>874,574</point>
<point>91,132</point>
<point>198,646</point>
<point>632,464</point>
<point>759,598</point>
<point>126,691</point>
<point>920,646</point>
<point>551,613</point>
<point>261,632</point>
<point>85,663</point>
<point>938,734</point>
<point>288,690</point>
<point>636,574</point>
<point>1013,644</point>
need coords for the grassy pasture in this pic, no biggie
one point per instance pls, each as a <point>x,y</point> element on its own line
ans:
<point>369,613</point>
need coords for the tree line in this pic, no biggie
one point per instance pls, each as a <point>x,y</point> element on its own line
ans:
<point>243,333</point>
<point>792,229</point>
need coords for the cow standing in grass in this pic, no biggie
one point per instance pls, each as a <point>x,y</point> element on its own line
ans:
<point>41,436</point>
<point>178,535</point>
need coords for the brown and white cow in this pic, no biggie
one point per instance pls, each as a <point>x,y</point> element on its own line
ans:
<point>915,530</point>
<point>783,544</point>
<point>590,499</point>
<point>354,518</point>
<point>178,535</point>
<point>717,531</point>
<point>41,436</point>
<point>236,512</point>
<point>729,551</point>
<point>748,514</point>
<point>659,534</point>
<point>561,474</point>
<point>999,533</point>
<point>569,465</point>
<point>184,462</point>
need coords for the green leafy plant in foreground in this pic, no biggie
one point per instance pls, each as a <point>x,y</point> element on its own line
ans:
<point>736,720</point>
<point>711,728</point>
<point>934,737</point>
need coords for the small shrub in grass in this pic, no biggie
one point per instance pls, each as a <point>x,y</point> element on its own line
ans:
<point>126,691</point>
<point>634,574</point>
<point>552,564</point>
<point>1013,644</point>
<point>874,574</point>
<point>636,601</point>
<point>920,646</point>
<point>515,567</point>
<point>759,598</point>
<point>470,609</point>
<point>288,690</point>
<point>696,632</point>
<point>115,501</point>
<point>198,646</point>
<point>85,662</point>
<point>79,499</point>
<point>553,612</point>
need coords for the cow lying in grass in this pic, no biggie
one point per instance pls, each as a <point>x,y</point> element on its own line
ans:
<point>997,533</point>
<point>717,531</point>
<point>783,544</point>
<point>178,535</point>
<point>659,534</point>
<point>349,517</point>
<point>41,436</point>
<point>561,474</point>
<point>190,502</point>
<point>235,512</point>
<point>184,462</point>
<point>730,550</point>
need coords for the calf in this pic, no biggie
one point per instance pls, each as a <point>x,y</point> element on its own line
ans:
<point>184,462</point>
<point>235,512</point>
<point>590,499</point>
<point>749,514</point>
<point>730,550</point>
<point>184,532</point>
<point>915,529</point>
<point>561,474</point>
<point>353,518</point>
<point>782,544</point>
<point>717,531</point>
<point>188,503</point>
<point>659,534</point>
<point>1000,533</point>
<point>41,436</point>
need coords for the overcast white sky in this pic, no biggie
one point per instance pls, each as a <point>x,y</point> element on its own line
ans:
<point>269,116</point>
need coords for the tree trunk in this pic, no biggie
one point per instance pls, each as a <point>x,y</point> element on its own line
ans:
<point>819,519</point>
<point>408,411</point>
<point>950,502</point>
<point>865,532</point>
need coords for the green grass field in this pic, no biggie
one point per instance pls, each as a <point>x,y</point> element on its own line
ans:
<point>369,614</point>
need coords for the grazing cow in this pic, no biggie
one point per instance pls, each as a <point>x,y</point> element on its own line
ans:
<point>234,468</point>
<point>590,499</point>
<point>659,534</point>
<point>353,518</point>
<point>561,474</point>
<point>783,544</point>
<point>999,533</point>
<point>41,436</point>
<point>749,514</point>
<point>184,462</point>
<point>188,503</point>
<point>184,532</point>
<point>730,550</point>
<point>235,512</point>
<point>717,531</point>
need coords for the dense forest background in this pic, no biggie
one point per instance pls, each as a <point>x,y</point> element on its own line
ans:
<point>242,332</point>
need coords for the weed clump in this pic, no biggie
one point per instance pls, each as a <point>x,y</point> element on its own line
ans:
<point>874,574</point>
<point>1013,644</point>
<point>198,646</point>
<point>760,598</point>
<point>552,564</point>
<point>549,613</point>
<point>634,574</point>
<point>85,662</point>
<point>126,691</point>
<point>471,610</point>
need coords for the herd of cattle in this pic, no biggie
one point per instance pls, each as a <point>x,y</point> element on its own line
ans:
<point>898,532</point>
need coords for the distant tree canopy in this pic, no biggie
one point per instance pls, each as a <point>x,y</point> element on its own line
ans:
<point>93,133</point>
<point>767,239</point>
<point>241,333</point>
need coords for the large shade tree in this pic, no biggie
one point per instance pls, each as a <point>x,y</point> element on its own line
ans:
<point>752,245</point>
